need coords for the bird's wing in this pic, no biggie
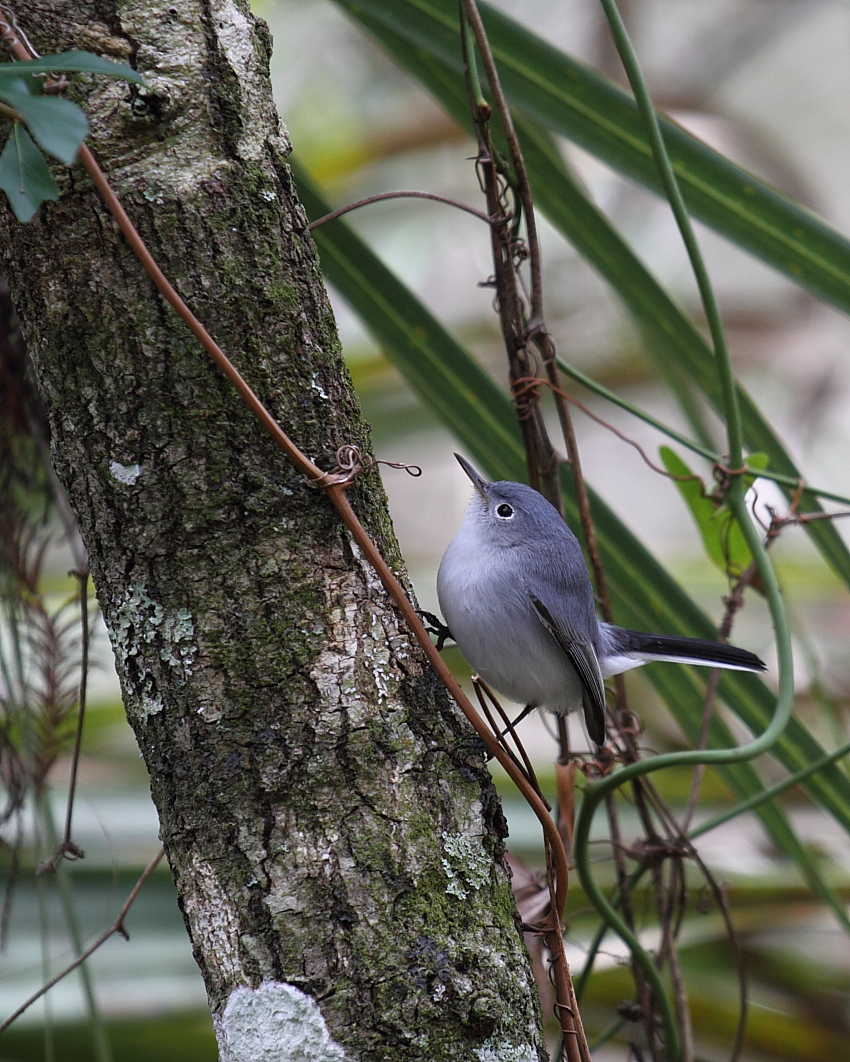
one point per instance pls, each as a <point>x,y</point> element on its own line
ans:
<point>583,658</point>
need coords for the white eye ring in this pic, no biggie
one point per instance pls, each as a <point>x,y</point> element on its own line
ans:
<point>505,511</point>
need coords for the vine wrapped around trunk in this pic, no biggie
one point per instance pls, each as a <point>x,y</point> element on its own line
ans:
<point>334,837</point>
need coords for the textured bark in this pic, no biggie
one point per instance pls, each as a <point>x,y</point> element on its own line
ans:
<point>334,837</point>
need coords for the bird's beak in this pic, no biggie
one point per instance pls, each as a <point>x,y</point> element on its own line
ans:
<point>478,482</point>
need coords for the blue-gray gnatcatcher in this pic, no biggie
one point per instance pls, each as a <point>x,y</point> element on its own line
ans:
<point>517,598</point>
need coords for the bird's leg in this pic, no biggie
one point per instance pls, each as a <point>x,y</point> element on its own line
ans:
<point>529,708</point>
<point>434,625</point>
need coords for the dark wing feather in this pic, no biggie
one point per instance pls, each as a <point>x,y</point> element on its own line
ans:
<point>583,659</point>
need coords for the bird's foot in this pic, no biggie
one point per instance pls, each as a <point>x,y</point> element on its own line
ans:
<point>434,625</point>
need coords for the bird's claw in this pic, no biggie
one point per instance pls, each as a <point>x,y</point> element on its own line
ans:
<point>434,625</point>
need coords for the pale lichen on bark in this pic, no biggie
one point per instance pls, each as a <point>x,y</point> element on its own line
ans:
<point>274,1023</point>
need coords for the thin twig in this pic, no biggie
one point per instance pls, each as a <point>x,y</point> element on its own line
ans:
<point>671,903</point>
<point>541,458</point>
<point>481,687</point>
<point>11,881</point>
<point>397,195</point>
<point>740,959</point>
<point>573,1043</point>
<point>582,497</point>
<point>523,184</point>
<point>116,927</point>
<point>510,310</point>
<point>482,692</point>
<point>83,579</point>
<point>551,383</point>
<point>565,788</point>
<point>710,455</point>
<point>619,849</point>
<point>680,996</point>
<point>643,798</point>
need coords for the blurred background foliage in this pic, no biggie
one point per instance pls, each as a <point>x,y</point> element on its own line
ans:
<point>764,82</point>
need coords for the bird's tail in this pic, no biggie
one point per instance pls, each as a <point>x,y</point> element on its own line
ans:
<point>627,649</point>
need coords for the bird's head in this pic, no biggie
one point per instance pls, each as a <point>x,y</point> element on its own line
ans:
<point>508,513</point>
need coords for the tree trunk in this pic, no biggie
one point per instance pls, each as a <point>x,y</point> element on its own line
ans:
<point>334,836</point>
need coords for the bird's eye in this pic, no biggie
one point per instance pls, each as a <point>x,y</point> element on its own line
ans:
<point>505,511</point>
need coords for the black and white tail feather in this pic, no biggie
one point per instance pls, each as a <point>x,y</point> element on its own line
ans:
<point>624,649</point>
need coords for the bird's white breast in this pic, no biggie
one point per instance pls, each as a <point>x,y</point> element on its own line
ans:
<point>487,608</point>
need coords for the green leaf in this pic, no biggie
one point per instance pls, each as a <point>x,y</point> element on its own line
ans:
<point>57,124</point>
<point>71,62</point>
<point>24,175</point>
<point>703,509</point>
<point>722,537</point>
<point>672,340</point>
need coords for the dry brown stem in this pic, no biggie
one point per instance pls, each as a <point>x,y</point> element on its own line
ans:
<point>116,927</point>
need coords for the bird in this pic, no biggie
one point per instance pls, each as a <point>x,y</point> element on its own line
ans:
<point>516,595</point>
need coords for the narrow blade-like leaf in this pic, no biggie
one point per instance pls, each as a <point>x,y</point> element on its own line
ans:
<point>579,103</point>
<point>667,331</point>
